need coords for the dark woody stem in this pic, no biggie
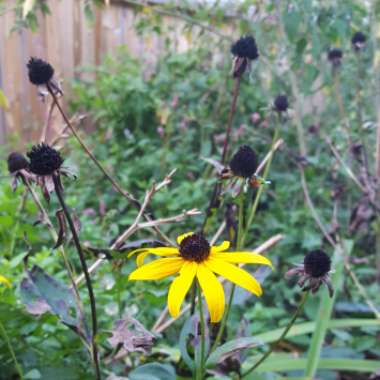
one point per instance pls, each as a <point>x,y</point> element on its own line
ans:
<point>230,119</point>
<point>88,151</point>
<point>218,186</point>
<point>58,190</point>
<point>114,183</point>
<point>283,335</point>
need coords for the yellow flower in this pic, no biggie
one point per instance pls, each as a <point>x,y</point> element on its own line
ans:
<point>194,258</point>
<point>5,281</point>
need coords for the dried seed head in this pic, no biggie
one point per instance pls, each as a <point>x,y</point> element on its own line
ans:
<point>281,103</point>
<point>335,56</point>
<point>245,47</point>
<point>44,160</point>
<point>244,162</point>
<point>16,162</point>
<point>194,248</point>
<point>317,263</point>
<point>358,40</point>
<point>39,71</point>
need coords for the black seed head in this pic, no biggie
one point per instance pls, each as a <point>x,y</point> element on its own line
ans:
<point>281,103</point>
<point>44,160</point>
<point>317,263</point>
<point>16,162</point>
<point>244,162</point>
<point>40,72</point>
<point>335,56</point>
<point>358,40</point>
<point>245,47</point>
<point>194,248</point>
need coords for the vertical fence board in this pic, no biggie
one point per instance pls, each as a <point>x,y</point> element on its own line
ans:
<point>68,41</point>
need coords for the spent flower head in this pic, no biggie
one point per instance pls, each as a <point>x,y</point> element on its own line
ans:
<point>16,162</point>
<point>244,162</point>
<point>358,40</point>
<point>244,50</point>
<point>195,258</point>
<point>314,272</point>
<point>41,74</point>
<point>335,56</point>
<point>44,160</point>
<point>18,167</point>
<point>281,103</point>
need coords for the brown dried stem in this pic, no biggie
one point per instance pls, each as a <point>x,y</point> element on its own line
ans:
<point>114,183</point>
<point>138,225</point>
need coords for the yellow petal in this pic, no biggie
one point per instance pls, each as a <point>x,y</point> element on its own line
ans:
<point>234,274</point>
<point>160,251</point>
<point>243,257</point>
<point>157,269</point>
<point>5,281</point>
<point>213,292</point>
<point>183,236</point>
<point>180,286</point>
<point>141,257</point>
<point>220,248</point>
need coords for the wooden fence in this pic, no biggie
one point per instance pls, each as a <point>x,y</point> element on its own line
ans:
<point>67,40</point>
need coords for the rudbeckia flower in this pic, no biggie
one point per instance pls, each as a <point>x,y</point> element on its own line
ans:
<point>5,281</point>
<point>195,258</point>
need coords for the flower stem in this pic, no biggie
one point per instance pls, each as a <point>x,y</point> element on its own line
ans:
<point>78,246</point>
<point>232,292</point>
<point>261,188</point>
<point>200,368</point>
<point>230,119</point>
<point>217,189</point>
<point>283,335</point>
<point>9,344</point>
<point>114,183</point>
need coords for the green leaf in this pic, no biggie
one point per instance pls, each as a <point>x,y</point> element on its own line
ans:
<point>187,329</point>
<point>274,335</point>
<point>292,23</point>
<point>42,293</point>
<point>27,7</point>
<point>153,371</point>
<point>33,374</point>
<point>3,100</point>
<point>286,362</point>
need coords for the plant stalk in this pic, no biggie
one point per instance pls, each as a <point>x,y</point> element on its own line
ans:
<point>200,368</point>
<point>78,247</point>
<point>217,188</point>
<point>283,335</point>
<point>10,348</point>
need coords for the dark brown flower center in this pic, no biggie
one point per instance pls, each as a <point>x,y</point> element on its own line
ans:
<point>317,263</point>
<point>194,248</point>
<point>44,160</point>
<point>244,162</point>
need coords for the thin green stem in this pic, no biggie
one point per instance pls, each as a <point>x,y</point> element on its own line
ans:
<point>223,324</point>
<point>283,335</point>
<point>261,188</point>
<point>200,368</point>
<point>10,347</point>
<point>20,208</point>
